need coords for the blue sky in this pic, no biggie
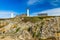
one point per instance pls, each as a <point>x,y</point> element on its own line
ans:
<point>52,7</point>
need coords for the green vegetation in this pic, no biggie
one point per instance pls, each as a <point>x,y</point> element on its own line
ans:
<point>31,19</point>
<point>17,30</point>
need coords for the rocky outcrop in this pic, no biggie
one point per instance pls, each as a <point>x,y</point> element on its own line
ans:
<point>29,28</point>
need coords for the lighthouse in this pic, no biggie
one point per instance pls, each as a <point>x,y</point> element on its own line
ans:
<point>28,12</point>
<point>12,15</point>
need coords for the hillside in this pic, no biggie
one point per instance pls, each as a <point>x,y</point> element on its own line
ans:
<point>30,28</point>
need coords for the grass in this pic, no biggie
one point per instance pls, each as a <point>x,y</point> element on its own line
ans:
<point>17,30</point>
<point>31,19</point>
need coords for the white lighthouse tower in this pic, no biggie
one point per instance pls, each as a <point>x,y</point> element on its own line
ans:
<point>28,12</point>
<point>12,15</point>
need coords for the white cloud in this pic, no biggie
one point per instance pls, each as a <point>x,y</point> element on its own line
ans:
<point>5,14</point>
<point>52,2</point>
<point>50,12</point>
<point>31,2</point>
<point>55,2</point>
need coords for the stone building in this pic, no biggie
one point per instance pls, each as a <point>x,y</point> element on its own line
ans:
<point>43,14</point>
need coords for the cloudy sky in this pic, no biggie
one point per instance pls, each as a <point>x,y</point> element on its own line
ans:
<point>52,7</point>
